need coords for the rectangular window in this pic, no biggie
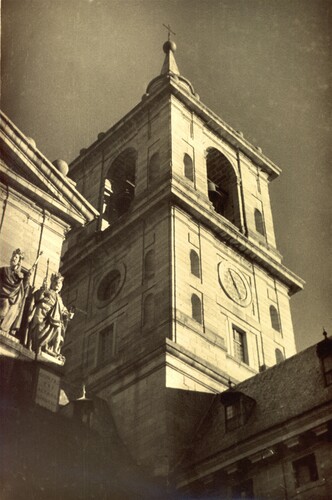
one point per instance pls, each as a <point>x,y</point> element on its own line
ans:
<point>305,470</point>
<point>91,352</point>
<point>243,490</point>
<point>233,416</point>
<point>106,346</point>
<point>240,347</point>
<point>327,368</point>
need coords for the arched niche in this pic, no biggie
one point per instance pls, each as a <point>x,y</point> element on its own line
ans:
<point>149,265</point>
<point>196,308</point>
<point>154,168</point>
<point>259,222</point>
<point>119,186</point>
<point>194,264</point>
<point>222,186</point>
<point>275,319</point>
<point>279,356</point>
<point>188,167</point>
<point>149,310</point>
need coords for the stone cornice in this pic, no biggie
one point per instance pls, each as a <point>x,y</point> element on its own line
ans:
<point>227,232</point>
<point>254,447</point>
<point>17,145</point>
<point>223,130</point>
<point>171,86</point>
<point>64,212</point>
<point>149,361</point>
<point>11,347</point>
<point>200,208</point>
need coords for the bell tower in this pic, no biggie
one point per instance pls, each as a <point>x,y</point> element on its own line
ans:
<point>179,286</point>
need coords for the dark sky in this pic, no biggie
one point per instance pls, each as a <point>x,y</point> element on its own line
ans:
<point>72,68</point>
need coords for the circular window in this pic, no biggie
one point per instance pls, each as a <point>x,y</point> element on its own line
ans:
<point>109,286</point>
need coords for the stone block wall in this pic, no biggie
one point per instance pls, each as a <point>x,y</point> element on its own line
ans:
<point>211,339</point>
<point>27,226</point>
<point>138,406</point>
<point>277,479</point>
<point>190,135</point>
<point>147,133</point>
<point>126,254</point>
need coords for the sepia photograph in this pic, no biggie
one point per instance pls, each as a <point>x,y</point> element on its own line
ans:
<point>165,249</point>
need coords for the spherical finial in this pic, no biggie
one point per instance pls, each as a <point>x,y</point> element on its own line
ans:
<point>62,166</point>
<point>31,141</point>
<point>169,46</point>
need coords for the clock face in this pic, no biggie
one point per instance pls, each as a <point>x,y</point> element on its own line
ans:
<point>234,284</point>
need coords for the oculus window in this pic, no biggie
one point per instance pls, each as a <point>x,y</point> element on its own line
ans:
<point>109,286</point>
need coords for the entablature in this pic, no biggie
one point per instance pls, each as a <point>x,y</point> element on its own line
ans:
<point>266,257</point>
<point>25,167</point>
<point>275,443</point>
<point>170,192</point>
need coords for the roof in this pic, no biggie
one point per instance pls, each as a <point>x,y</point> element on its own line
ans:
<point>55,455</point>
<point>284,394</point>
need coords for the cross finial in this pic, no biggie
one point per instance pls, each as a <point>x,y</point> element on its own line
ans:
<point>169,31</point>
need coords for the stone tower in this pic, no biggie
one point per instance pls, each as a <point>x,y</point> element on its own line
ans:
<point>180,282</point>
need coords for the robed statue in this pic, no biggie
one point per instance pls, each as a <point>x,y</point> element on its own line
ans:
<point>13,285</point>
<point>48,318</point>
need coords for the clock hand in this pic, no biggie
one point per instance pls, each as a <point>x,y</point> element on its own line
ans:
<point>235,285</point>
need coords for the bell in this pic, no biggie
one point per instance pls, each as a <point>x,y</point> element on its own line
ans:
<point>212,187</point>
<point>123,201</point>
<point>213,193</point>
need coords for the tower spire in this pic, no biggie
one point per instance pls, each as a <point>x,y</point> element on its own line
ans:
<point>170,71</point>
<point>169,48</point>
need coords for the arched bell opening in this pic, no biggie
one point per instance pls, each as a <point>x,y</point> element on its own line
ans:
<point>119,187</point>
<point>222,184</point>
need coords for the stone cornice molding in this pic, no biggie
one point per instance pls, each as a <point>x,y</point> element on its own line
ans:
<point>171,86</point>
<point>199,207</point>
<point>150,361</point>
<point>254,447</point>
<point>16,144</point>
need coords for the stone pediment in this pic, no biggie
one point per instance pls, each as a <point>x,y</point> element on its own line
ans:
<point>26,170</point>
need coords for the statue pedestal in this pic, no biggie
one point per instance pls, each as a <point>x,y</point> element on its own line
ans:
<point>26,382</point>
<point>51,360</point>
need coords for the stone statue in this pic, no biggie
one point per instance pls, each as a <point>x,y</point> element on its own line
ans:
<point>48,318</point>
<point>13,285</point>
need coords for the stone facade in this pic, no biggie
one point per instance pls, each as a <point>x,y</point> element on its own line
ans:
<point>179,292</point>
<point>180,283</point>
<point>282,449</point>
<point>39,205</point>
